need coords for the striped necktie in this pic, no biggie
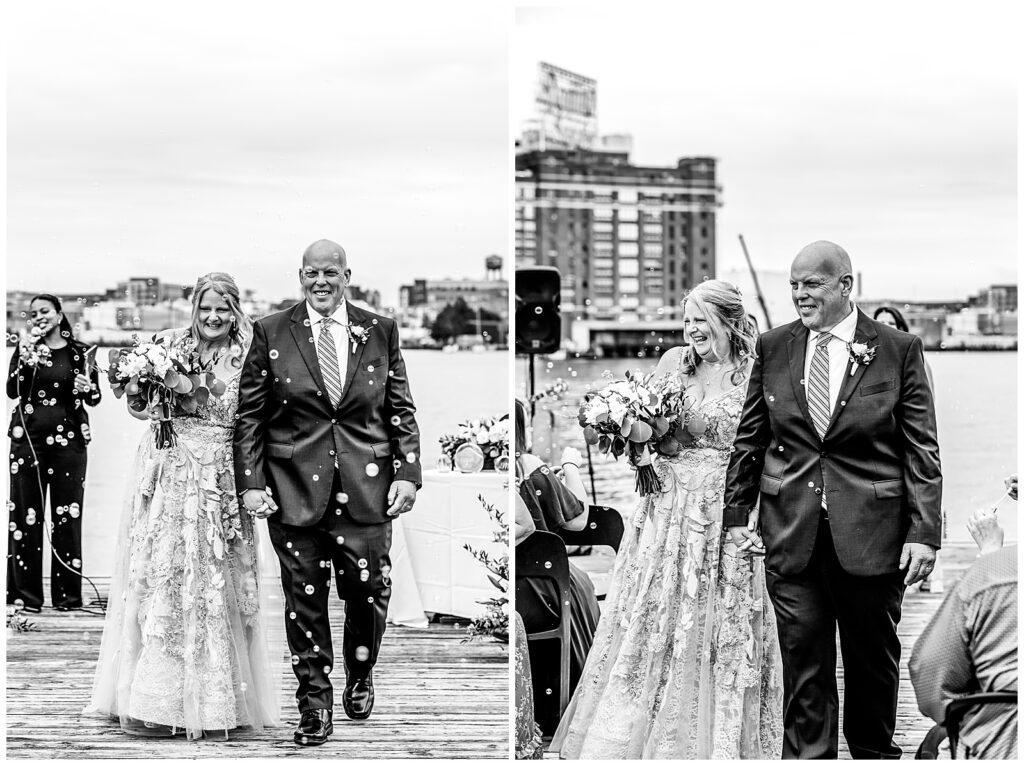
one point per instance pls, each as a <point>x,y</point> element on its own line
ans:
<point>328,355</point>
<point>819,404</point>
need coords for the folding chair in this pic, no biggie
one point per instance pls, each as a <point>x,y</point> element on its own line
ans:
<point>542,555</point>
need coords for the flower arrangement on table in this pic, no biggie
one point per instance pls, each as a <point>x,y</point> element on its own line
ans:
<point>639,416</point>
<point>165,374</point>
<point>494,621</point>
<point>491,435</point>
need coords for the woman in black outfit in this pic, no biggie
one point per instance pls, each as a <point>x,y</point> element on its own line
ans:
<point>53,381</point>
<point>547,503</point>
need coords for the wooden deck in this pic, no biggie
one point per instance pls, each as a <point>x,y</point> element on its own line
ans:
<point>436,698</point>
<point>918,609</point>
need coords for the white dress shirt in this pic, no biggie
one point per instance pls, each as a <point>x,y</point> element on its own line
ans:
<point>838,355</point>
<point>338,331</point>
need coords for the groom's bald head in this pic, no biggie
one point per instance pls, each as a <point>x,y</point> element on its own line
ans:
<point>821,281</point>
<point>324,275</point>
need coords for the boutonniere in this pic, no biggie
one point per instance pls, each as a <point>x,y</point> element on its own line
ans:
<point>358,335</point>
<point>860,353</point>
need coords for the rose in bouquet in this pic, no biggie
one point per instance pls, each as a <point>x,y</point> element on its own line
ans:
<point>491,435</point>
<point>166,376</point>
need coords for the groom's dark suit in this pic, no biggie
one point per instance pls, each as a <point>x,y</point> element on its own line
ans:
<point>329,469</point>
<point>878,465</point>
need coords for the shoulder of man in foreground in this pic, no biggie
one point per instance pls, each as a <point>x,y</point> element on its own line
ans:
<point>990,570</point>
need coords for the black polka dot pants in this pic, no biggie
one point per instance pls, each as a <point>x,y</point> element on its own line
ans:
<point>61,476</point>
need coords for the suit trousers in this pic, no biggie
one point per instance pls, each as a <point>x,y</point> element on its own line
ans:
<point>359,556</point>
<point>809,606</point>
<point>61,475</point>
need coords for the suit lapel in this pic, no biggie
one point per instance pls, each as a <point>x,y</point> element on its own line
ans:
<point>302,332</point>
<point>358,318</point>
<point>865,333</point>
<point>797,348</point>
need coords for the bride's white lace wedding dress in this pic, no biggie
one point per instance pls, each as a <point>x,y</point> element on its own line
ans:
<point>183,644</point>
<point>686,661</point>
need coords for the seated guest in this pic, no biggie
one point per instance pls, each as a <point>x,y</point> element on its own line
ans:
<point>528,741</point>
<point>548,503</point>
<point>970,645</point>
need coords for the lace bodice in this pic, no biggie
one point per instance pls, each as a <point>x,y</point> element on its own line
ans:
<point>218,413</point>
<point>720,416</point>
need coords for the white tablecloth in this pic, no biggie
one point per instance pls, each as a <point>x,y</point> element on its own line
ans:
<point>448,513</point>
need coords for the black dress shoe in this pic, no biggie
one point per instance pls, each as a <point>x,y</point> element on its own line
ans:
<point>358,697</point>
<point>314,728</point>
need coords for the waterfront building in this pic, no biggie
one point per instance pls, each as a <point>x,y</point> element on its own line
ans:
<point>629,240</point>
<point>429,296</point>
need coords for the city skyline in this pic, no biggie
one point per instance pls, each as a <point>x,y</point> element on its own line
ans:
<point>171,149</point>
<point>906,155</point>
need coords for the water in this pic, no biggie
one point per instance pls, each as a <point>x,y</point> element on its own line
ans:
<point>976,412</point>
<point>447,389</point>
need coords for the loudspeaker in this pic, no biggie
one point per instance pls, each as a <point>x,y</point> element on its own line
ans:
<point>538,299</point>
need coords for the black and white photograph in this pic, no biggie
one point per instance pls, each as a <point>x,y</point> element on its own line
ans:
<point>258,394</point>
<point>766,381</point>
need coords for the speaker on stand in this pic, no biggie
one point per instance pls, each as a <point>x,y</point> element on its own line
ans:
<point>538,315</point>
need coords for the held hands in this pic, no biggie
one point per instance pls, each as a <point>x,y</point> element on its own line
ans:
<point>748,539</point>
<point>258,503</point>
<point>986,530</point>
<point>401,497</point>
<point>919,561</point>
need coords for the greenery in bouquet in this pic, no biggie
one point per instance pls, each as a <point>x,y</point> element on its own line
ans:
<point>494,621</point>
<point>491,435</point>
<point>165,375</point>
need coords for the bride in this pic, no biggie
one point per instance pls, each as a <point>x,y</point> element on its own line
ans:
<point>686,660</point>
<point>183,645</point>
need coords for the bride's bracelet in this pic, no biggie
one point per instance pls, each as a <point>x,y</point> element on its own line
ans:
<point>574,465</point>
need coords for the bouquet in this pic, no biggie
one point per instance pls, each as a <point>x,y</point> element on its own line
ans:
<point>639,416</point>
<point>490,434</point>
<point>32,352</point>
<point>165,374</point>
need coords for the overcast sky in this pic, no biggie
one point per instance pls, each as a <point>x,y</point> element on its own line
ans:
<point>888,128</point>
<point>181,138</point>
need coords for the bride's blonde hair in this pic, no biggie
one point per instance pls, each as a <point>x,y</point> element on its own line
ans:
<point>240,331</point>
<point>721,303</point>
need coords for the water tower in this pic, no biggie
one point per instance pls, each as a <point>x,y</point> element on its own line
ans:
<point>493,265</point>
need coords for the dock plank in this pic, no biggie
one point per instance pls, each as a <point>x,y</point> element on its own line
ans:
<point>437,697</point>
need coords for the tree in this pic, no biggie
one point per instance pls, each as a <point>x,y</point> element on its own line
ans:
<point>459,319</point>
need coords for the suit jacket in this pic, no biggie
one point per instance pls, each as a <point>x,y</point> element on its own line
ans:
<point>878,462</point>
<point>288,435</point>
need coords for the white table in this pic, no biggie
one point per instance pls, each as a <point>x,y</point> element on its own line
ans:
<point>448,514</point>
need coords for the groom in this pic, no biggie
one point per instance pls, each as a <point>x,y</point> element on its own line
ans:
<point>838,437</point>
<point>327,450</point>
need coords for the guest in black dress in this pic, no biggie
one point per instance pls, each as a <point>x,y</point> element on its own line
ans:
<point>53,378</point>
<point>554,504</point>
